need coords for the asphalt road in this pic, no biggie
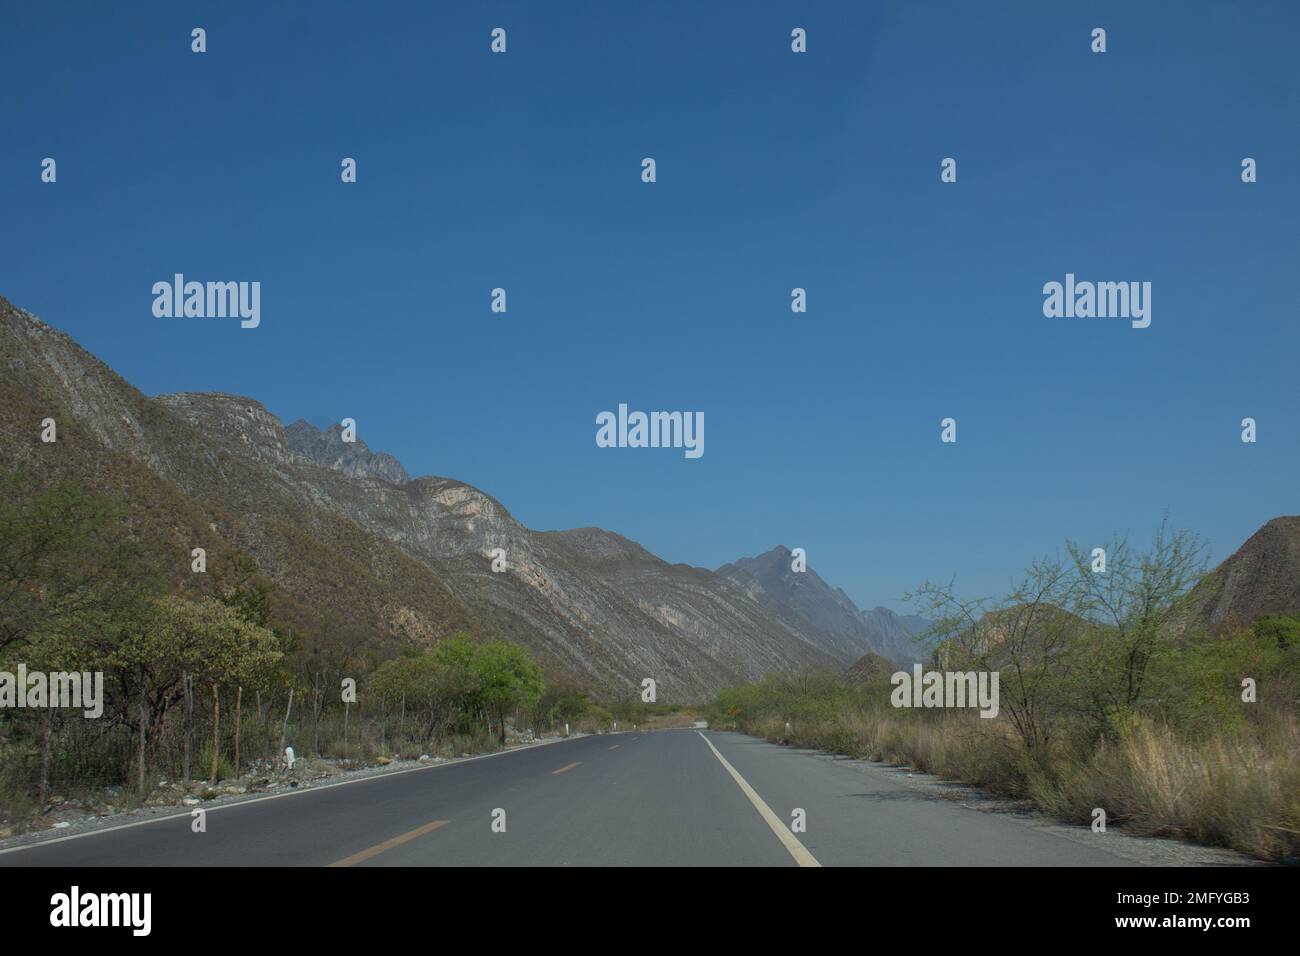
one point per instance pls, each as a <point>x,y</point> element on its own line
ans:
<point>677,797</point>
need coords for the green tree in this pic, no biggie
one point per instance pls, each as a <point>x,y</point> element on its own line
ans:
<point>510,679</point>
<point>1029,636</point>
<point>563,702</point>
<point>150,653</point>
<point>1280,629</point>
<point>432,692</point>
<point>63,553</point>
<point>1135,607</point>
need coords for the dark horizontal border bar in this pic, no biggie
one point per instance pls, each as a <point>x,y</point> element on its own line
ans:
<point>225,905</point>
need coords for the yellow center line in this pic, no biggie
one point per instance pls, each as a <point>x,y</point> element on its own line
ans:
<point>379,848</point>
<point>788,839</point>
<point>566,767</point>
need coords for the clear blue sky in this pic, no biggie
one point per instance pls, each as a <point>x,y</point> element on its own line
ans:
<point>775,170</point>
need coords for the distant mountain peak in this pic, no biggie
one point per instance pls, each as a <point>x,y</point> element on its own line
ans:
<point>354,459</point>
<point>770,579</point>
<point>377,565</point>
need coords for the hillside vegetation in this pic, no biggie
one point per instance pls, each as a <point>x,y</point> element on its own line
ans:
<point>1115,694</point>
<point>204,680</point>
<point>362,557</point>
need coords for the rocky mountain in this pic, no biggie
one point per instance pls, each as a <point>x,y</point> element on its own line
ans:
<point>770,580</point>
<point>1261,578</point>
<point>354,459</point>
<point>365,562</point>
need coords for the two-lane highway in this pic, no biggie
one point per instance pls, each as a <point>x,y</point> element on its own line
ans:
<point>633,799</point>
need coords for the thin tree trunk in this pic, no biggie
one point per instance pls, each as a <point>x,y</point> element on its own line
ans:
<point>216,739</point>
<point>316,709</point>
<point>269,743</point>
<point>239,703</point>
<point>142,734</point>
<point>285,726</point>
<point>47,733</point>
<point>188,687</point>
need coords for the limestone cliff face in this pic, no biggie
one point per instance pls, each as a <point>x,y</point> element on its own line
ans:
<point>345,533</point>
<point>240,421</point>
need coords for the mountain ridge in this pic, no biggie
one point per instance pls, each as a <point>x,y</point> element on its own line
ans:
<point>354,458</point>
<point>368,564</point>
<point>770,578</point>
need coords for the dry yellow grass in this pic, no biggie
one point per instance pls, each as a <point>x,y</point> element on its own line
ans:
<point>1239,789</point>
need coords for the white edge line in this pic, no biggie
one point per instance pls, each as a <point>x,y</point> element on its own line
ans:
<point>788,839</point>
<point>277,796</point>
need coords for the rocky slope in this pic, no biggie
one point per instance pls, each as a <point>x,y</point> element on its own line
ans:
<point>829,612</point>
<point>371,561</point>
<point>354,459</point>
<point>1261,578</point>
<point>368,561</point>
